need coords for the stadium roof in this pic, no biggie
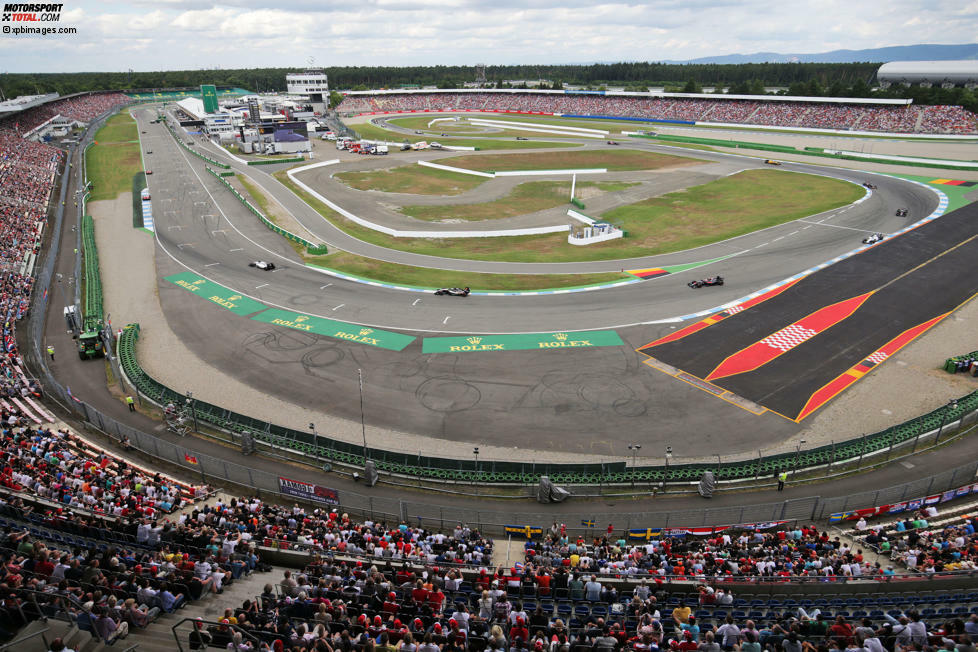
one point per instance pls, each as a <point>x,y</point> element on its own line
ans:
<point>934,72</point>
<point>696,96</point>
<point>24,102</point>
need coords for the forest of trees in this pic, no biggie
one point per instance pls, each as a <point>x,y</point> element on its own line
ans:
<point>814,79</point>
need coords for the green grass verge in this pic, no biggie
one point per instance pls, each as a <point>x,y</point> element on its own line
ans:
<point>111,168</point>
<point>616,160</point>
<point>800,193</point>
<point>378,270</point>
<point>412,179</point>
<point>728,207</point>
<point>525,198</point>
<point>483,142</point>
<point>120,128</point>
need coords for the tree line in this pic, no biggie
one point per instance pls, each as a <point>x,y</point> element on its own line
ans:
<point>813,79</point>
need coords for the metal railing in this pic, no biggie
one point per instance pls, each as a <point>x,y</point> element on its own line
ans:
<point>246,635</point>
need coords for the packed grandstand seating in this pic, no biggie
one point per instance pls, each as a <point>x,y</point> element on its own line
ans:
<point>912,118</point>
<point>81,108</point>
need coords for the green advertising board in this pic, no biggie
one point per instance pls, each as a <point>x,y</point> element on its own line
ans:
<point>208,93</point>
<point>522,342</point>
<point>337,329</point>
<point>216,293</point>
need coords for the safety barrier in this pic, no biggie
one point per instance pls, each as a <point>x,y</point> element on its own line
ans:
<point>320,447</point>
<point>951,364</point>
<point>184,145</point>
<point>577,202</point>
<point>138,183</point>
<point>294,159</point>
<point>93,313</point>
<point>311,248</point>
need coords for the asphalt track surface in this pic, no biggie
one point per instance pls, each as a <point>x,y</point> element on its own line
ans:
<point>593,401</point>
<point>891,288</point>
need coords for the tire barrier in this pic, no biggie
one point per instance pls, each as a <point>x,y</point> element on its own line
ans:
<point>93,314</point>
<point>320,448</point>
<point>967,363</point>
<point>312,248</point>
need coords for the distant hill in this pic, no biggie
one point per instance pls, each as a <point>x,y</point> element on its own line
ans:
<point>922,52</point>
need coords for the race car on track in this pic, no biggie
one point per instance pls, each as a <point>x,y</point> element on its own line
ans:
<point>873,238</point>
<point>261,264</point>
<point>901,212</point>
<point>772,162</point>
<point>867,184</point>
<point>522,138</point>
<point>612,142</point>
<point>453,292</point>
<point>712,280</point>
<point>149,172</point>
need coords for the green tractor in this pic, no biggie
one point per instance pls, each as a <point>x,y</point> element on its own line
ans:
<point>90,345</point>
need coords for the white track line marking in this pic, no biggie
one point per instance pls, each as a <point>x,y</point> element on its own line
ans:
<point>211,264</point>
<point>847,228</point>
<point>806,227</point>
<point>323,287</point>
<point>338,307</point>
<point>415,302</point>
<point>776,239</point>
<point>239,249</point>
<point>186,244</point>
<point>446,319</point>
<point>258,287</point>
<point>763,244</point>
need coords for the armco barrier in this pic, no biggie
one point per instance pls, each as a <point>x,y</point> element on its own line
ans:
<point>295,159</point>
<point>93,313</point>
<point>312,248</point>
<point>184,145</point>
<point>320,447</point>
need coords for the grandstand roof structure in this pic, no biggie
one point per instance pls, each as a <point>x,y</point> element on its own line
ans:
<point>695,96</point>
<point>934,72</point>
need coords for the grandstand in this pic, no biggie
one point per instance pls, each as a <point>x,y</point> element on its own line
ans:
<point>787,112</point>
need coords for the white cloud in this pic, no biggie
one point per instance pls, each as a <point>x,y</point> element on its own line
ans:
<point>180,34</point>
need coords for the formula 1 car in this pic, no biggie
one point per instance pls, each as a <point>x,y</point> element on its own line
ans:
<point>713,280</point>
<point>867,184</point>
<point>612,142</point>
<point>873,238</point>
<point>261,264</point>
<point>453,292</point>
<point>522,138</point>
<point>149,172</point>
<point>772,162</point>
<point>901,212</point>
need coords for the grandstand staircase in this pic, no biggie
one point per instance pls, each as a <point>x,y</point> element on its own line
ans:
<point>158,636</point>
<point>37,636</point>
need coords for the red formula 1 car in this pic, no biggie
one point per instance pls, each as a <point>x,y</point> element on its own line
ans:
<point>706,282</point>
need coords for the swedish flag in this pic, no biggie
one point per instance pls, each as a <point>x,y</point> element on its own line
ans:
<point>644,534</point>
<point>528,531</point>
<point>588,522</point>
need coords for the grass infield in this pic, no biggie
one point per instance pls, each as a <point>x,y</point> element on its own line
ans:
<point>111,163</point>
<point>412,179</point>
<point>489,141</point>
<point>617,160</point>
<point>711,212</point>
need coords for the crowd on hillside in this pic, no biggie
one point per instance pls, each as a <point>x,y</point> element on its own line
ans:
<point>868,117</point>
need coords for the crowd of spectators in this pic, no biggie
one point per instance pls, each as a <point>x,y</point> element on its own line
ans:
<point>912,541</point>
<point>869,117</point>
<point>80,108</point>
<point>799,551</point>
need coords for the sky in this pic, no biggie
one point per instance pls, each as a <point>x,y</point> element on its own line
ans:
<point>194,34</point>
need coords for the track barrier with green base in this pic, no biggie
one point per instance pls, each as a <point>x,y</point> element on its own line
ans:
<point>294,159</point>
<point>138,183</point>
<point>93,312</point>
<point>184,145</point>
<point>311,248</point>
<point>320,447</point>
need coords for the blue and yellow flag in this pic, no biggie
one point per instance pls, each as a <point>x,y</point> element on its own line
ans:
<point>588,522</point>
<point>528,531</point>
<point>644,534</point>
